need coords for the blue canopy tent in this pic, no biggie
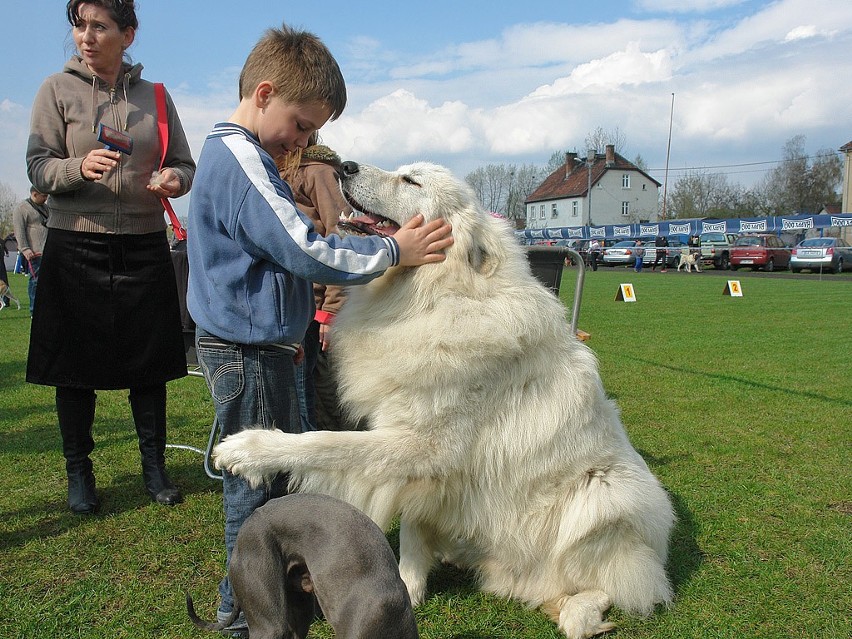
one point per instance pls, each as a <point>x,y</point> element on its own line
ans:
<point>780,224</point>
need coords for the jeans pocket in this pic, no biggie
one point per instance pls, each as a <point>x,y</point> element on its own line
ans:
<point>222,365</point>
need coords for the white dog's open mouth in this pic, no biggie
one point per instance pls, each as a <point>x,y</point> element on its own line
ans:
<point>361,222</point>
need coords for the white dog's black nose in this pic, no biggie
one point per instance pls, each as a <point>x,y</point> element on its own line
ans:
<point>349,168</point>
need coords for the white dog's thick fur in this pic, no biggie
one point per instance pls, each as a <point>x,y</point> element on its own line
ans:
<point>491,435</point>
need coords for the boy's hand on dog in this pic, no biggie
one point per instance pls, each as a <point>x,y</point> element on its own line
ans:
<point>423,244</point>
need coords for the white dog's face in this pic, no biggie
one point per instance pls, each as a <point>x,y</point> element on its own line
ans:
<point>386,200</point>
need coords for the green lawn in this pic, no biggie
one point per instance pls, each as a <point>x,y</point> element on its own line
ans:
<point>742,406</point>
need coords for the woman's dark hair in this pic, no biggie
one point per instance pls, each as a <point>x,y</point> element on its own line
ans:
<point>122,11</point>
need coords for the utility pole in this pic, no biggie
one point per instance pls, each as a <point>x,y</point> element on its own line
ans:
<point>589,162</point>
<point>668,151</point>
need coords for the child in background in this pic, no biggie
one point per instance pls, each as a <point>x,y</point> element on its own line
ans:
<point>253,256</point>
<point>640,255</point>
<point>312,174</point>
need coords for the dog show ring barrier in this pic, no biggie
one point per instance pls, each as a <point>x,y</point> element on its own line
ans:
<point>546,263</point>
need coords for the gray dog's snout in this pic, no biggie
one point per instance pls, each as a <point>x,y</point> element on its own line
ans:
<point>349,168</point>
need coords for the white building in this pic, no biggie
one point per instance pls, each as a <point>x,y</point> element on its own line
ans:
<point>606,190</point>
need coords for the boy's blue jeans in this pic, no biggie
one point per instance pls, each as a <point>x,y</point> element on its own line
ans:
<point>251,387</point>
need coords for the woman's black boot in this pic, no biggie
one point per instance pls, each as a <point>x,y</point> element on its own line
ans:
<point>149,414</point>
<point>75,411</point>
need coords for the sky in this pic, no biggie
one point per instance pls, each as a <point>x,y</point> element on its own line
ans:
<point>477,82</point>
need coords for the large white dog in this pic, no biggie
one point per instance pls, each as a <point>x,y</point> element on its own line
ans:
<point>491,435</point>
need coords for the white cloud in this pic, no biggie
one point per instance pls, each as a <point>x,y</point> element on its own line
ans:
<point>629,67</point>
<point>688,6</point>
<point>800,33</point>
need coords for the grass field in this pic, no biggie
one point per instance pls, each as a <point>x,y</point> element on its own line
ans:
<point>742,407</point>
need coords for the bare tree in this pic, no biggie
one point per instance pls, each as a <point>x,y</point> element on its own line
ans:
<point>598,139</point>
<point>490,183</point>
<point>640,162</point>
<point>503,188</point>
<point>800,183</point>
<point>524,180</point>
<point>703,194</point>
<point>556,161</point>
<point>8,203</point>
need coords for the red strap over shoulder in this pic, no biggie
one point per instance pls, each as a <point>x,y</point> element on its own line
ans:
<point>162,120</point>
<point>163,134</point>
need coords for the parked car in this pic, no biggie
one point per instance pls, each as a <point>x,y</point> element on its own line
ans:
<point>822,254</point>
<point>716,249</point>
<point>621,253</point>
<point>760,250</point>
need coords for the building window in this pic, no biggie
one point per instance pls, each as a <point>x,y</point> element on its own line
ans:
<point>541,212</point>
<point>625,181</point>
<point>625,208</point>
<point>553,210</point>
<point>644,187</point>
<point>575,208</point>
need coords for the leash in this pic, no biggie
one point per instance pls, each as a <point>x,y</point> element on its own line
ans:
<point>33,274</point>
<point>163,129</point>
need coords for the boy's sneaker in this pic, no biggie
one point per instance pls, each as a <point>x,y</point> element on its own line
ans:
<point>239,629</point>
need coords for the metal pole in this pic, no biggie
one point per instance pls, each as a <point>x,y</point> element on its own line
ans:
<point>590,160</point>
<point>668,151</point>
<point>578,290</point>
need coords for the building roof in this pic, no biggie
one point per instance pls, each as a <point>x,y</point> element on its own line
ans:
<point>571,180</point>
<point>846,147</point>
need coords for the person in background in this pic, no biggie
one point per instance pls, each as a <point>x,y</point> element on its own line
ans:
<point>30,223</point>
<point>253,255</point>
<point>640,255</point>
<point>107,313</point>
<point>312,174</point>
<point>4,275</point>
<point>661,243</point>
<point>594,253</point>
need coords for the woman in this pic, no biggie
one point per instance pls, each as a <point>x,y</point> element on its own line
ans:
<point>107,313</point>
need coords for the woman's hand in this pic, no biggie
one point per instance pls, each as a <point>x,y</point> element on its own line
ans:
<point>165,183</point>
<point>98,163</point>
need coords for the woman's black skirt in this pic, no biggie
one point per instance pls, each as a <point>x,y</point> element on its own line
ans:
<point>107,314</point>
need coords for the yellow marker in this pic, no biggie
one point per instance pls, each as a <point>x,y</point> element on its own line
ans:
<point>733,289</point>
<point>626,293</point>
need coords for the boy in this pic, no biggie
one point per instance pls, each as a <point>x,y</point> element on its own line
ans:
<point>253,256</point>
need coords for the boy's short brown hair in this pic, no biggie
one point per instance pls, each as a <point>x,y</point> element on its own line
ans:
<point>300,67</point>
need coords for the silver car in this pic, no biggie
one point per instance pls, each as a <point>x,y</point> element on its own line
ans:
<point>828,254</point>
<point>623,252</point>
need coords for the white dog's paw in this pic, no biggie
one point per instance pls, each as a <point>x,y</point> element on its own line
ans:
<point>416,589</point>
<point>235,453</point>
<point>581,616</point>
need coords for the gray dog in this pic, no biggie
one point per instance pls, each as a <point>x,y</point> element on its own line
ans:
<point>298,547</point>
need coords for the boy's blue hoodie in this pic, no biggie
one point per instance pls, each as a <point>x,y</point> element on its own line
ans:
<point>253,255</point>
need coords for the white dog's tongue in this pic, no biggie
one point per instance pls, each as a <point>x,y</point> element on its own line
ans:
<point>368,223</point>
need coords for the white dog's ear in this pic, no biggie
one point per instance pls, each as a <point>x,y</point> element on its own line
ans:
<point>486,251</point>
